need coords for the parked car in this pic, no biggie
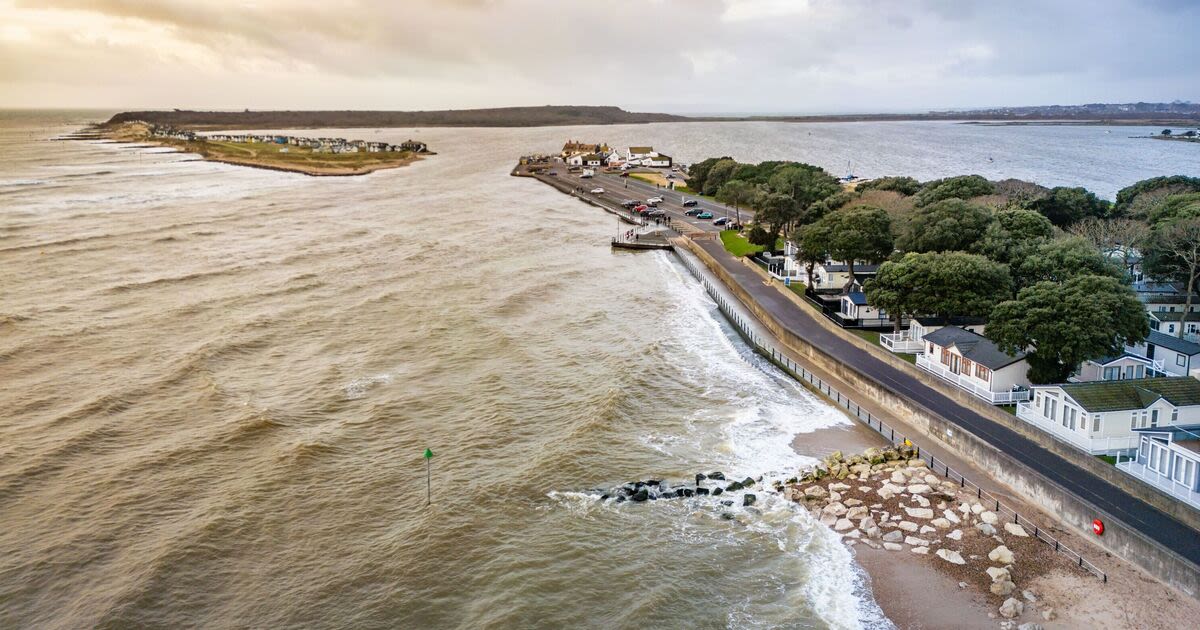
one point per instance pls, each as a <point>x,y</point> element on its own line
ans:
<point>721,221</point>
<point>704,215</point>
<point>670,176</point>
<point>630,203</point>
<point>624,174</point>
<point>690,203</point>
<point>693,212</point>
<point>654,200</point>
<point>551,174</point>
<point>655,212</point>
<point>597,191</point>
<point>641,208</point>
<point>652,203</point>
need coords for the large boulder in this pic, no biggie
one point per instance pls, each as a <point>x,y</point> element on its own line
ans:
<point>873,455</point>
<point>835,508</point>
<point>919,488</point>
<point>922,512</point>
<point>916,542</point>
<point>908,526</point>
<point>955,535</point>
<point>1002,587</point>
<point>857,513</point>
<point>1016,530</point>
<point>951,516</point>
<point>989,517</point>
<point>997,573</point>
<point>640,495</point>
<point>700,477</point>
<point>815,492</point>
<point>719,476</point>
<point>716,492</point>
<point>748,499</point>
<point>1011,608</point>
<point>985,529</point>
<point>953,557</point>
<point>940,523</point>
<point>842,524</point>
<point>894,536</point>
<point>1001,555</point>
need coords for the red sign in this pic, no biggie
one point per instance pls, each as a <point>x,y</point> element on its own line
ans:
<point>1098,527</point>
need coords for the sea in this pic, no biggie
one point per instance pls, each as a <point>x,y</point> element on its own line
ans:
<point>217,385</point>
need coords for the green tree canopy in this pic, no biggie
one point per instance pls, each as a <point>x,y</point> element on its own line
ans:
<point>718,175</point>
<point>943,284</point>
<point>737,193</point>
<point>1177,206</point>
<point>1174,254</point>
<point>1014,235</point>
<point>1063,325</point>
<point>1062,259</point>
<point>804,183</point>
<point>812,246</point>
<point>902,185</point>
<point>698,172</point>
<point>947,225</point>
<point>859,233</point>
<point>1064,206</point>
<point>775,210</point>
<point>962,187</point>
<point>1131,197</point>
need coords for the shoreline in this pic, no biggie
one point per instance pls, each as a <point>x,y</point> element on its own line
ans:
<point>132,138</point>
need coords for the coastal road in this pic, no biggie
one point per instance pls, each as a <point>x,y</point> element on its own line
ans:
<point>1118,503</point>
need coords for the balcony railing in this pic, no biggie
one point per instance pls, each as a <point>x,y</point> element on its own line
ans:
<point>1094,446</point>
<point>1162,483</point>
<point>901,342</point>
<point>966,382</point>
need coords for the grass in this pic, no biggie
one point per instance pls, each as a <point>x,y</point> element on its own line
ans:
<point>1011,409</point>
<point>737,244</point>
<point>1109,459</point>
<point>870,335</point>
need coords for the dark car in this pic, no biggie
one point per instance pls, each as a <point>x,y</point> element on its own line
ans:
<point>693,212</point>
<point>655,212</point>
<point>630,203</point>
<point>690,203</point>
<point>721,221</point>
<point>551,173</point>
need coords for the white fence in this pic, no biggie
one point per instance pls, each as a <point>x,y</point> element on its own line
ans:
<point>965,382</point>
<point>901,342</point>
<point>1093,446</point>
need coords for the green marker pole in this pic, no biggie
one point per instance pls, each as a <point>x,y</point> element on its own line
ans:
<point>428,485</point>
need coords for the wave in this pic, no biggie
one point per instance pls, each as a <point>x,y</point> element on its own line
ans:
<point>170,280</point>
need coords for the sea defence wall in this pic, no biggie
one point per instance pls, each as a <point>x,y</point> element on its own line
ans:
<point>1076,512</point>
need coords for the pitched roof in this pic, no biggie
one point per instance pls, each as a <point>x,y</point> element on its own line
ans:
<point>974,347</point>
<point>641,149</point>
<point>1164,316</point>
<point>857,297</point>
<point>1123,395</point>
<point>1171,342</point>
<point>835,267</point>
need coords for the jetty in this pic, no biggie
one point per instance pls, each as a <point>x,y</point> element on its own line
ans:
<point>659,239</point>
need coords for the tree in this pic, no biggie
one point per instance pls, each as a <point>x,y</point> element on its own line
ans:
<point>1014,235</point>
<point>1118,239</point>
<point>737,192</point>
<point>859,233</point>
<point>805,184</point>
<point>812,247</point>
<point>1166,132</point>
<point>1174,253</point>
<point>1131,199</point>
<point>1064,206</point>
<point>720,173</point>
<point>962,187</point>
<point>904,185</point>
<point>1173,207</point>
<point>776,210</point>
<point>1063,325</point>
<point>1060,260</point>
<point>698,172</point>
<point>947,225</point>
<point>943,284</point>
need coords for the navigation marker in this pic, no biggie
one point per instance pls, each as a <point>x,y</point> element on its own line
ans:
<point>428,486</point>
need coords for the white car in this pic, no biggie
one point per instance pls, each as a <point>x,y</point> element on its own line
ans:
<point>597,191</point>
<point>653,200</point>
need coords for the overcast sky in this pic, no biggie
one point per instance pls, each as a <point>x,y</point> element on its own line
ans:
<point>776,56</point>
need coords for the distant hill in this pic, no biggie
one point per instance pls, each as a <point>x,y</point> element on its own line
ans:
<point>550,115</point>
<point>1177,113</point>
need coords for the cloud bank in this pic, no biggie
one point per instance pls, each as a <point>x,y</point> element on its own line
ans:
<point>798,56</point>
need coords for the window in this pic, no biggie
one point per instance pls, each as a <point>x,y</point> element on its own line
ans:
<point>967,364</point>
<point>1128,371</point>
<point>1175,415</point>
<point>1143,422</point>
<point>982,372</point>
<point>1095,423</point>
<point>1177,469</point>
<point>1132,420</point>
<point>1112,373</point>
<point>1180,360</point>
<point>1053,408</point>
<point>1154,418</point>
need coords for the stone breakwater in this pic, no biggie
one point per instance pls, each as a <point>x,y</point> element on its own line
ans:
<point>888,499</point>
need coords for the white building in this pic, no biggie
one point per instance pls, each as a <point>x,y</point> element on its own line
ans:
<point>855,311</point>
<point>836,275</point>
<point>1168,458</point>
<point>657,160</point>
<point>575,160</point>
<point>1101,417</point>
<point>913,340</point>
<point>638,153</point>
<point>972,362</point>
<point>1170,322</point>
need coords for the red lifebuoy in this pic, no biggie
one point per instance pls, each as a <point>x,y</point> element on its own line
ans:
<point>1098,527</point>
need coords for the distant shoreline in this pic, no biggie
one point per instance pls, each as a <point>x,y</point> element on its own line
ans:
<point>553,116</point>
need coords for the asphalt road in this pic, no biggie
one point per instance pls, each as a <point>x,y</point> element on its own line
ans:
<point>617,188</point>
<point>1118,503</point>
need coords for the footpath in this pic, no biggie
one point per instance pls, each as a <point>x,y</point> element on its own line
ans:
<point>1169,536</point>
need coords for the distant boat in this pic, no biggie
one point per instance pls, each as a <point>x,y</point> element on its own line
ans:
<point>990,159</point>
